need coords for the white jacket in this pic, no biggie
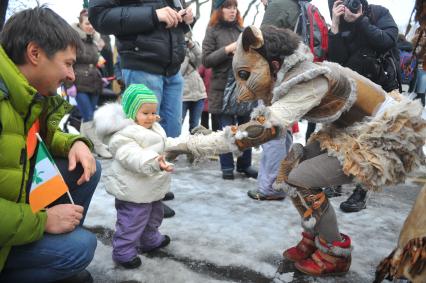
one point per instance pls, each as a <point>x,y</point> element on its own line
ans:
<point>134,174</point>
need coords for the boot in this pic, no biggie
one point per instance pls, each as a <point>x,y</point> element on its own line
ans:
<point>88,130</point>
<point>168,212</point>
<point>304,249</point>
<point>249,172</point>
<point>356,201</point>
<point>328,259</point>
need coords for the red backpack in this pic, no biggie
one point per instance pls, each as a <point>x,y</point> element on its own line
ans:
<point>313,29</point>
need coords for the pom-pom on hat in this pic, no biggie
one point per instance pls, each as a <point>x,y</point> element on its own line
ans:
<point>133,98</point>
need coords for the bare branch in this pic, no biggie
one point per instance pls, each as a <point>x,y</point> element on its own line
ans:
<point>257,12</point>
<point>249,8</point>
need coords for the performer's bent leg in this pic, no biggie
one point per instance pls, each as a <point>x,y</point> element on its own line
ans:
<point>329,253</point>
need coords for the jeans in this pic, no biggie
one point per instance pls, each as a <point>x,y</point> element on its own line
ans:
<point>195,108</point>
<point>227,159</point>
<point>274,151</point>
<point>56,256</point>
<point>86,104</point>
<point>169,94</point>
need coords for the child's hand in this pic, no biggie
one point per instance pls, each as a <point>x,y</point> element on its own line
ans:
<point>163,164</point>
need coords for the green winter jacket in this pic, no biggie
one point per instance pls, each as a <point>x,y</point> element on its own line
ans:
<point>20,106</point>
<point>282,14</point>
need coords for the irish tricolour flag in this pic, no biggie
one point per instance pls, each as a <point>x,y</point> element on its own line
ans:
<point>48,184</point>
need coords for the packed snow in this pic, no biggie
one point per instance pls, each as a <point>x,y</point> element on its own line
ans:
<point>219,234</point>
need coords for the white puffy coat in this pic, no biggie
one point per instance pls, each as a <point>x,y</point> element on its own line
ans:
<point>134,174</point>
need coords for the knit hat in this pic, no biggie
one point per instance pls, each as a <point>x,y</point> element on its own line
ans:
<point>133,98</point>
<point>218,3</point>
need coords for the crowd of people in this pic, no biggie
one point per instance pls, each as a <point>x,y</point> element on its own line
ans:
<point>164,73</point>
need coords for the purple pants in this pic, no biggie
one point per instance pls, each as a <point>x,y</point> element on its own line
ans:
<point>136,227</point>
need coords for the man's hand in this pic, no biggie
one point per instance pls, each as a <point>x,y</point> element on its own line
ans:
<point>168,16</point>
<point>338,11</point>
<point>187,15</point>
<point>63,218</point>
<point>80,153</point>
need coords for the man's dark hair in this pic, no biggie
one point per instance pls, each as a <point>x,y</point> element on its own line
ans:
<point>40,25</point>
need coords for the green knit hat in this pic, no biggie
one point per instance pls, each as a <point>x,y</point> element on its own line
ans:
<point>133,98</point>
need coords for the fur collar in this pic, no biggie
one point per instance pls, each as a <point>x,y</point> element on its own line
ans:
<point>110,119</point>
<point>96,36</point>
<point>302,53</point>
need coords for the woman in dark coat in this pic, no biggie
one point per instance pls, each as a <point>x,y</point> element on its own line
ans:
<point>218,49</point>
<point>88,80</point>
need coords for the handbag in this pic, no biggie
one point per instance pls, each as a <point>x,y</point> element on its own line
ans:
<point>379,68</point>
<point>230,106</point>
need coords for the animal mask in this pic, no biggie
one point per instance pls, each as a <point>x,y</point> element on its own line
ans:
<point>251,70</point>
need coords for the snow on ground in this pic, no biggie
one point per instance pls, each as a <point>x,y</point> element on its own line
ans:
<point>219,234</point>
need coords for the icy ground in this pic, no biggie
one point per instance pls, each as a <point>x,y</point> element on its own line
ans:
<point>219,234</point>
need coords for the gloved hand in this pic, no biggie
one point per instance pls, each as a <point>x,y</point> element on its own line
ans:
<point>253,133</point>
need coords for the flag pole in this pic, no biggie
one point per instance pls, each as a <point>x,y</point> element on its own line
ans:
<point>56,167</point>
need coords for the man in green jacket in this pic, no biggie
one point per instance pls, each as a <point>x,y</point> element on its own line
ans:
<point>37,53</point>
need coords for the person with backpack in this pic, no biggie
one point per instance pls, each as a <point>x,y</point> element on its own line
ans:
<point>363,38</point>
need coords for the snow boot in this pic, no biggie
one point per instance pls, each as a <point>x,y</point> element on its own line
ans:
<point>333,191</point>
<point>168,212</point>
<point>304,249</point>
<point>131,264</point>
<point>249,172</point>
<point>328,259</point>
<point>88,130</point>
<point>356,201</point>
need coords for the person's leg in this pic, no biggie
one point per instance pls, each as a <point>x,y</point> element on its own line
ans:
<point>170,108</point>
<point>319,220</point>
<point>244,161</point>
<point>195,113</point>
<point>205,119</point>
<point>152,238</point>
<point>310,130</point>
<point>132,219</point>
<point>52,258</point>
<point>273,153</point>
<point>227,159</point>
<point>81,194</point>
<point>185,107</point>
<point>84,105</point>
<point>215,122</point>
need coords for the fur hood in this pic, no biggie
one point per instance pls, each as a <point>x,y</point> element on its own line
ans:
<point>96,37</point>
<point>110,119</point>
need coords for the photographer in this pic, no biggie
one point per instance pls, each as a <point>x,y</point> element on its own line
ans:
<point>363,38</point>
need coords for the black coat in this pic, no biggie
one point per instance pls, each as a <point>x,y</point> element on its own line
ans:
<point>375,32</point>
<point>143,42</point>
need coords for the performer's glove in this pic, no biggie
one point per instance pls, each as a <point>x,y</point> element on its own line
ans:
<point>253,133</point>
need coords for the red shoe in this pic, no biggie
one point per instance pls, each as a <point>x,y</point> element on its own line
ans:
<point>327,260</point>
<point>304,249</point>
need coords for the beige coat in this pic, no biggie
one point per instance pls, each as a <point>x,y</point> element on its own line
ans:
<point>194,88</point>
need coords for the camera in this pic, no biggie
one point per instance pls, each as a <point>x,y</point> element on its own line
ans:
<point>352,5</point>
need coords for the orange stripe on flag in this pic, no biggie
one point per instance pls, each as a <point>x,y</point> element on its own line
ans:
<point>47,193</point>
